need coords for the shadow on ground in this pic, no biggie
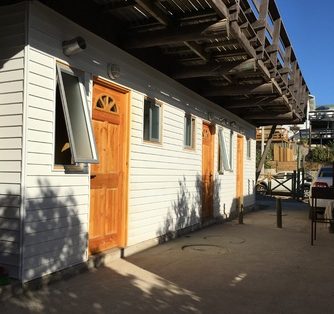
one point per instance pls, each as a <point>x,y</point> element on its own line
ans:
<point>120,288</point>
<point>229,269</point>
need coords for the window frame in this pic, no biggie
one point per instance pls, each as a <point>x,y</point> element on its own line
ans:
<point>231,150</point>
<point>192,119</point>
<point>248,148</point>
<point>223,156</point>
<point>152,102</point>
<point>61,68</point>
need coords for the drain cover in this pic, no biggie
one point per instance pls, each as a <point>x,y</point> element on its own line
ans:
<point>205,249</point>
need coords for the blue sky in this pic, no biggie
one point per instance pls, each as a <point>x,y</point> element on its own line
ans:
<point>310,26</point>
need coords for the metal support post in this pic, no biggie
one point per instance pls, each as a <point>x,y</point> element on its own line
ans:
<point>279,212</point>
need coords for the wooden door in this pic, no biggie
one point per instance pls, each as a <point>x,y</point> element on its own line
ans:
<point>108,196</point>
<point>240,171</point>
<point>207,171</point>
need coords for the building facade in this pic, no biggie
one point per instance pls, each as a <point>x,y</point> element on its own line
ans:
<point>89,163</point>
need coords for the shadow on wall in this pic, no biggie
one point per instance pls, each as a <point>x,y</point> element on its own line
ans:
<point>248,205</point>
<point>54,231</point>
<point>10,232</point>
<point>184,215</point>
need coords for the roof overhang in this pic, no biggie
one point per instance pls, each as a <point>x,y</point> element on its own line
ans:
<point>235,53</point>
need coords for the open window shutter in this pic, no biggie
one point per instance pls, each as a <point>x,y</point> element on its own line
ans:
<point>79,128</point>
<point>223,152</point>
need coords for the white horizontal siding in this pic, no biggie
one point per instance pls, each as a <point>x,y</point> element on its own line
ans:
<point>11,131</point>
<point>225,202</point>
<point>10,166</point>
<point>39,158</point>
<point>49,248</point>
<point>55,223</point>
<point>10,143</point>
<point>12,41</point>
<point>10,98</point>
<point>164,178</point>
<point>11,76</point>
<point>249,174</point>
<point>10,109</point>
<point>10,154</point>
<point>56,203</point>
<point>44,264</point>
<point>12,65</point>
<point>49,213</point>
<point>9,189</point>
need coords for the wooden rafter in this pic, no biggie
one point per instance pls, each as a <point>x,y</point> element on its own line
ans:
<point>154,11</point>
<point>216,70</point>
<point>235,90</point>
<point>166,37</point>
<point>198,50</point>
<point>239,58</point>
<point>118,6</point>
<point>263,103</point>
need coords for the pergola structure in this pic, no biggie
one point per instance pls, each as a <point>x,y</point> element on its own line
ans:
<point>235,53</point>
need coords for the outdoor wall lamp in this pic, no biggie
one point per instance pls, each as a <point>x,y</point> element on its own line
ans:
<point>210,116</point>
<point>73,46</point>
<point>223,121</point>
<point>114,71</point>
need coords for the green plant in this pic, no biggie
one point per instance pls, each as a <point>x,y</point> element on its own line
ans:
<point>321,153</point>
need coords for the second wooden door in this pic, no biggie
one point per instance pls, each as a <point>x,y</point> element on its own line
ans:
<point>207,172</point>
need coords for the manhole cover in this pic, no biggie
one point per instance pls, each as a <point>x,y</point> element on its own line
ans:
<point>231,240</point>
<point>205,249</point>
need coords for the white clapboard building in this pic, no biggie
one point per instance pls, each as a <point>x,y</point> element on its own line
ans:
<point>100,151</point>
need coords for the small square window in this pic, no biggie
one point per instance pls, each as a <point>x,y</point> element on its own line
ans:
<point>74,139</point>
<point>152,121</point>
<point>189,131</point>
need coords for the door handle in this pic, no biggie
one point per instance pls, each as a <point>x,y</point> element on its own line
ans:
<point>92,176</point>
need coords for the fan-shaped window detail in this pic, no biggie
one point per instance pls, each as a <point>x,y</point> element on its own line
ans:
<point>106,103</point>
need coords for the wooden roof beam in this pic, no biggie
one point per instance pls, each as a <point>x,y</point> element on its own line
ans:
<point>236,90</point>
<point>155,12</point>
<point>168,36</point>
<point>235,30</point>
<point>265,102</point>
<point>273,49</point>
<point>216,70</point>
<point>275,121</point>
<point>271,116</point>
<point>198,50</point>
<point>119,6</point>
<point>279,118</point>
<point>260,27</point>
<point>162,18</point>
<point>217,44</point>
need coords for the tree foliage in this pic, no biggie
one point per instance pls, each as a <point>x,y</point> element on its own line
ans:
<point>321,153</point>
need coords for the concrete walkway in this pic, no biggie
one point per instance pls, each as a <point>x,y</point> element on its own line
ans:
<point>228,269</point>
